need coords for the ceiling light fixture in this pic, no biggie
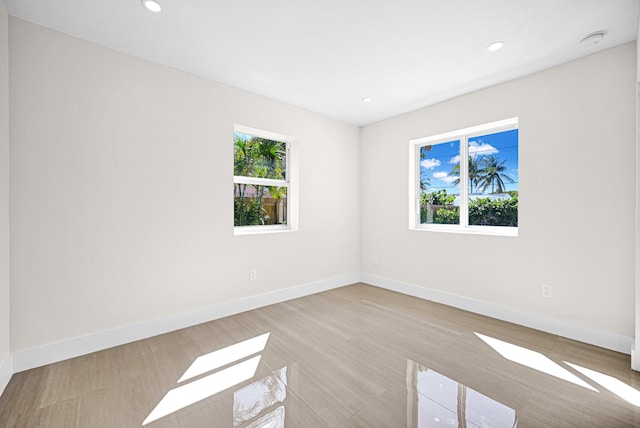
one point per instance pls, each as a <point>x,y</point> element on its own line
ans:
<point>496,46</point>
<point>592,39</point>
<point>152,5</point>
<point>367,99</point>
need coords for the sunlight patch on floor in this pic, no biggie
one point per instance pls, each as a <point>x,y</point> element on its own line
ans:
<point>619,388</point>
<point>534,360</point>
<point>222,357</point>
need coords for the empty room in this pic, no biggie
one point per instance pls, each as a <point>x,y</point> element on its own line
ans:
<point>434,219</point>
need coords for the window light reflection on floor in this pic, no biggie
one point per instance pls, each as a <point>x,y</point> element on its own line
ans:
<point>262,394</point>
<point>274,419</point>
<point>616,386</point>
<point>533,359</point>
<point>435,400</point>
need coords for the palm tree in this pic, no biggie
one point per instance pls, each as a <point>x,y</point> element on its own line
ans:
<point>473,173</point>
<point>271,158</point>
<point>241,166</point>
<point>425,182</point>
<point>493,174</point>
<point>270,162</point>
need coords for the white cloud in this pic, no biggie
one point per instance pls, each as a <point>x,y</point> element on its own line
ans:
<point>481,148</point>
<point>455,159</point>
<point>430,163</point>
<point>441,175</point>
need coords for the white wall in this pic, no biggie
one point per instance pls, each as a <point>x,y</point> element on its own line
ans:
<point>577,198</point>
<point>121,203</point>
<point>4,198</point>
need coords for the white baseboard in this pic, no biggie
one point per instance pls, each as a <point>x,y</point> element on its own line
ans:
<point>77,346</point>
<point>6,371</point>
<point>613,341</point>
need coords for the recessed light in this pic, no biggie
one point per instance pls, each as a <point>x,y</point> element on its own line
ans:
<point>592,39</point>
<point>496,46</point>
<point>152,5</point>
<point>367,99</point>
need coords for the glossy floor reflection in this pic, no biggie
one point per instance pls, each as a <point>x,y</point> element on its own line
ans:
<point>357,356</point>
<point>435,400</point>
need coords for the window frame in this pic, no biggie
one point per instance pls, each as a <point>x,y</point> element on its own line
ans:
<point>291,182</point>
<point>464,135</point>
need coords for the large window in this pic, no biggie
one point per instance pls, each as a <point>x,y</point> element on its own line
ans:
<point>479,195</point>
<point>263,181</point>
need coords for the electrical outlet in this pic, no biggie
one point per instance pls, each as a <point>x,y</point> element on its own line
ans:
<point>374,260</point>
<point>546,291</point>
<point>253,274</point>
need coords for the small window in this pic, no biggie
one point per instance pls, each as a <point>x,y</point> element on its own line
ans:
<point>476,196</point>
<point>263,182</point>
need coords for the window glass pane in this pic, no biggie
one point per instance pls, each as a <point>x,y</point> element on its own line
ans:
<point>439,183</point>
<point>493,179</point>
<point>258,157</point>
<point>259,205</point>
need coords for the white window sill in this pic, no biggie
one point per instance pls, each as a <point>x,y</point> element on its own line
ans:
<point>260,230</point>
<point>471,230</point>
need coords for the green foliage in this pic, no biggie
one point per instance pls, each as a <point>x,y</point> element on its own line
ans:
<point>501,212</point>
<point>439,197</point>
<point>247,211</point>
<point>259,158</point>
<point>437,207</point>
<point>447,215</point>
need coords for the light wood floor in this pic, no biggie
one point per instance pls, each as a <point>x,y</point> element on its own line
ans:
<point>357,356</point>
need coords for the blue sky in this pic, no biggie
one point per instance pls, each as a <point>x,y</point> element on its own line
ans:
<point>441,158</point>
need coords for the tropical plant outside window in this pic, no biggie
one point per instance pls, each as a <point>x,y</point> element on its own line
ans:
<point>479,193</point>
<point>261,181</point>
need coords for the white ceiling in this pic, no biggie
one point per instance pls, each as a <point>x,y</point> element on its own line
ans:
<point>326,55</point>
